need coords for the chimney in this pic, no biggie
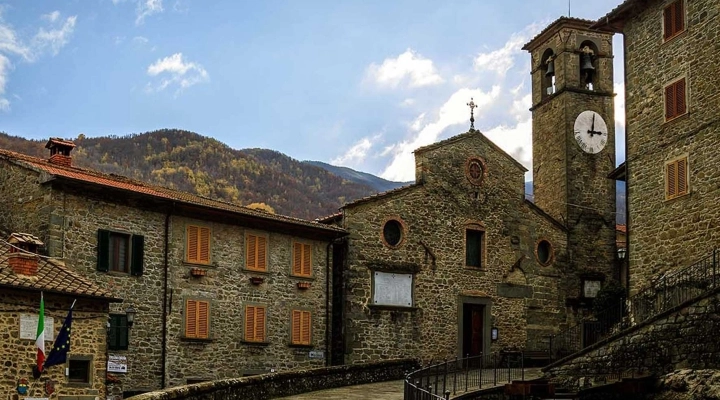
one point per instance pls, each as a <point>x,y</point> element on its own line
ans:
<point>23,258</point>
<point>60,151</point>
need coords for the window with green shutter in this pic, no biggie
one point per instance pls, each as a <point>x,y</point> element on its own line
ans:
<point>118,332</point>
<point>120,252</point>
<point>474,247</point>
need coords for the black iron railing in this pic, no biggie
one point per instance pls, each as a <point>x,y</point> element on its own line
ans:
<point>461,375</point>
<point>666,292</point>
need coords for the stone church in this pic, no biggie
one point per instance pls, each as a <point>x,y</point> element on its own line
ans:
<point>459,262</point>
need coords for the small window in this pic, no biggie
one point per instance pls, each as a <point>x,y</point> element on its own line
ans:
<point>675,99</point>
<point>393,233</point>
<point>120,252</point>
<point>198,244</point>
<point>255,323</point>
<point>474,247</point>
<point>673,20</point>
<point>79,370</point>
<point>118,335</point>
<point>197,319</point>
<point>301,323</point>
<point>256,252</point>
<point>544,252</point>
<point>676,178</point>
<point>302,259</point>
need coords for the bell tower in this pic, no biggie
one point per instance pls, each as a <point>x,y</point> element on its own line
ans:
<point>574,145</point>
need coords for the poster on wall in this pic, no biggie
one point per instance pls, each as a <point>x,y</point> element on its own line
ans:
<point>391,289</point>
<point>28,327</point>
<point>117,364</point>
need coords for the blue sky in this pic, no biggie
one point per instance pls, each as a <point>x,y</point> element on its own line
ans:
<point>354,83</point>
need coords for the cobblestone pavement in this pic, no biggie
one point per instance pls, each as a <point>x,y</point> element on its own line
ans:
<point>392,390</point>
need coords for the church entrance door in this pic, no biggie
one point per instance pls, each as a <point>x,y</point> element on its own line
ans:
<point>473,315</point>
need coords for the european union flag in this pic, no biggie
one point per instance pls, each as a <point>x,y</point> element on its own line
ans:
<point>61,347</point>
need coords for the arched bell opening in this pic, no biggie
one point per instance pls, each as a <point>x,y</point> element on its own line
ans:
<point>547,68</point>
<point>588,65</point>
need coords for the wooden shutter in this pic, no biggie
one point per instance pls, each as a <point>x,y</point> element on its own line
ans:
<point>679,17</point>
<point>138,254</point>
<point>297,259</point>
<point>261,253</point>
<point>671,179</point>
<point>204,245</point>
<point>103,253</point>
<point>305,327</point>
<point>191,311</point>
<point>260,324</point>
<point>680,105</point>
<point>307,260</point>
<point>682,186</point>
<point>250,323</point>
<point>203,319</point>
<point>251,249</point>
<point>668,22</point>
<point>192,243</point>
<point>669,102</point>
<point>296,321</point>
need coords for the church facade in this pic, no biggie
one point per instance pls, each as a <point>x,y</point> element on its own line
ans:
<point>460,263</point>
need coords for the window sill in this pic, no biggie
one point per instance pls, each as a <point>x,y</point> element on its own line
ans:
<point>675,36</point>
<point>681,196</point>
<point>674,119</point>
<point>79,384</point>
<point>194,264</point>
<point>256,271</point>
<point>478,269</point>
<point>190,339</point>
<point>392,308</point>
<point>118,273</point>
<point>302,277</point>
<point>259,344</point>
<point>301,346</point>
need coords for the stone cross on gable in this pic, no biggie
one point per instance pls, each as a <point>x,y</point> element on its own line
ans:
<point>472,106</point>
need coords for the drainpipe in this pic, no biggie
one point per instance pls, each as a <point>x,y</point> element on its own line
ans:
<point>627,182</point>
<point>328,304</point>
<point>165,300</point>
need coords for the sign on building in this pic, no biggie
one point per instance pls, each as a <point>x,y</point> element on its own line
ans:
<point>117,364</point>
<point>391,289</point>
<point>29,323</point>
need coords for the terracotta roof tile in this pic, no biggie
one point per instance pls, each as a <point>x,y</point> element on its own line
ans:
<point>52,276</point>
<point>124,183</point>
<point>614,13</point>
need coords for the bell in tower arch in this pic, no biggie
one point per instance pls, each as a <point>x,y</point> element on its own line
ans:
<point>550,67</point>
<point>587,70</point>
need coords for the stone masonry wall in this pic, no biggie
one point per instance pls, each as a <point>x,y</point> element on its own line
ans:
<point>521,295</point>
<point>671,233</point>
<point>17,356</point>
<point>677,339</point>
<point>24,201</point>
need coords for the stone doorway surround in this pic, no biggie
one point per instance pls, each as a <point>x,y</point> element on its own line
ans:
<point>486,303</point>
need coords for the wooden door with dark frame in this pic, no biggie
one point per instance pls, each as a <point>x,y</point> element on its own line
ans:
<point>473,329</point>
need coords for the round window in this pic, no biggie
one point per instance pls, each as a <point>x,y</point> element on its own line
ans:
<point>544,252</point>
<point>475,171</point>
<point>393,232</point>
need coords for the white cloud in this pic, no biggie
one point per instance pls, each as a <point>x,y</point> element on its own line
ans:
<point>409,67</point>
<point>619,89</point>
<point>501,60</point>
<point>355,154</point>
<point>55,39</point>
<point>176,71</point>
<point>4,67</point>
<point>140,40</point>
<point>453,112</point>
<point>146,8</point>
<point>407,102</point>
<point>52,17</point>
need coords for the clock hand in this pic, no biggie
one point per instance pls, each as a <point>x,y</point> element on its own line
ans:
<point>592,127</point>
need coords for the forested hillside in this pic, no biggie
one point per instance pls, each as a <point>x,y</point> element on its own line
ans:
<point>190,162</point>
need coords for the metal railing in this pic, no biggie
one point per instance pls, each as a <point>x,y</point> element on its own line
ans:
<point>461,375</point>
<point>668,291</point>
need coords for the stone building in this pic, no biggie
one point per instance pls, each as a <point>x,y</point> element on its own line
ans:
<point>672,132</point>
<point>23,275</point>
<point>459,262</point>
<point>220,290</point>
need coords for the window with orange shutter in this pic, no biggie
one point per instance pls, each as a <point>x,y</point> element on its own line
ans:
<point>302,259</point>
<point>301,323</point>
<point>198,244</point>
<point>675,99</point>
<point>255,323</point>
<point>676,183</point>
<point>197,319</point>
<point>673,20</point>
<point>256,252</point>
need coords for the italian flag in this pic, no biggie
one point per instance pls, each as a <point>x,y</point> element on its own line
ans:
<point>40,337</point>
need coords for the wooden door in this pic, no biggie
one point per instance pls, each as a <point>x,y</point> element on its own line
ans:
<point>473,329</point>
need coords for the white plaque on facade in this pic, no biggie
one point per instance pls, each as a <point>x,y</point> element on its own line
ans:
<point>391,289</point>
<point>316,354</point>
<point>28,327</point>
<point>117,364</point>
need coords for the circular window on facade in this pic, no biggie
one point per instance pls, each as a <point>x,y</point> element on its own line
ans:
<point>544,252</point>
<point>393,233</point>
<point>475,171</point>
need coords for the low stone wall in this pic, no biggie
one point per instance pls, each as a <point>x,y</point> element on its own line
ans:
<point>681,338</point>
<point>269,386</point>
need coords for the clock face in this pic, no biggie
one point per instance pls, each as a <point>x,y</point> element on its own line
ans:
<point>591,132</point>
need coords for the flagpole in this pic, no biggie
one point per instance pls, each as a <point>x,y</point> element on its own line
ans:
<point>73,304</point>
